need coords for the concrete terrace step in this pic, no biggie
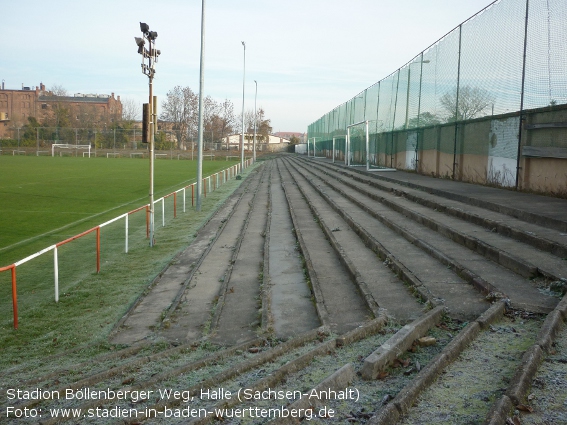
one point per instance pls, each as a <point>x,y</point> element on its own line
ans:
<point>333,288</point>
<point>192,315</point>
<point>238,311</point>
<point>480,237</point>
<point>524,216</point>
<point>458,257</point>
<point>375,281</point>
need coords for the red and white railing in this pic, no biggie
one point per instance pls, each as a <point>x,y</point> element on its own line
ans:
<point>210,183</point>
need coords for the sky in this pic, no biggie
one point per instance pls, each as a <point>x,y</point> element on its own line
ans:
<point>307,56</point>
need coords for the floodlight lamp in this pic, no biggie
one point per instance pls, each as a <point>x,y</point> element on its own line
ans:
<point>144,27</point>
<point>152,35</point>
<point>139,41</point>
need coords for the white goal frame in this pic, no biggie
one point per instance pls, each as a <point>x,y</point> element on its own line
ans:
<point>70,146</point>
<point>344,136</point>
<point>314,147</point>
<point>347,149</point>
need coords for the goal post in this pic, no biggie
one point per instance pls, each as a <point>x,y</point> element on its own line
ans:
<point>357,138</point>
<point>357,149</point>
<point>335,138</point>
<point>69,147</point>
<point>314,140</point>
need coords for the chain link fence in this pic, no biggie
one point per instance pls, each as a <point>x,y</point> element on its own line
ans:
<point>499,65</point>
<point>103,142</point>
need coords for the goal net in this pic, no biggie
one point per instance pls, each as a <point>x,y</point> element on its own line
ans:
<point>73,149</point>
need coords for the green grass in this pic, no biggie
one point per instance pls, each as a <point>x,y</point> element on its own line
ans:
<point>45,199</point>
<point>91,303</point>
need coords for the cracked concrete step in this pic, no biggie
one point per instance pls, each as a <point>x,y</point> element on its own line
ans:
<point>385,288</point>
<point>193,312</point>
<point>238,311</point>
<point>542,210</point>
<point>544,238</point>
<point>291,310</point>
<point>518,257</point>
<point>522,293</point>
<point>440,284</point>
<point>190,368</point>
<point>344,305</point>
<point>145,316</point>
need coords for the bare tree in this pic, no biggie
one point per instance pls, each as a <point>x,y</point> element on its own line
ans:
<point>227,119</point>
<point>58,90</point>
<point>472,102</point>
<point>210,114</point>
<point>180,109</point>
<point>131,111</point>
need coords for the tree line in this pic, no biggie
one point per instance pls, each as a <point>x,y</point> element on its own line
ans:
<point>180,114</point>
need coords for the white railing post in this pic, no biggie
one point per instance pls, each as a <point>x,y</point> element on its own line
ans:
<point>126,236</point>
<point>56,273</point>
<point>163,211</point>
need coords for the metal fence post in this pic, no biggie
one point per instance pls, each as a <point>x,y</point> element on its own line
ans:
<point>519,153</point>
<point>457,103</point>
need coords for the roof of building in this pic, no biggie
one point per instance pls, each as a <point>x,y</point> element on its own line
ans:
<point>288,134</point>
<point>52,98</point>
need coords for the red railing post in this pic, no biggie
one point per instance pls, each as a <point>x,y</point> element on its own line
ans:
<point>147,222</point>
<point>174,204</point>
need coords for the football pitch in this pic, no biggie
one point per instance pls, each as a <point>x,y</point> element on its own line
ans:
<point>48,199</point>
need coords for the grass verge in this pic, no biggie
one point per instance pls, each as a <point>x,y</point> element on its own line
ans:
<point>91,303</point>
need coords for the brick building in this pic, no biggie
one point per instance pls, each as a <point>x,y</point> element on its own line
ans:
<point>82,109</point>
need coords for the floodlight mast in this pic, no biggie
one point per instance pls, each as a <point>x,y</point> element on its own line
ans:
<point>255,121</point>
<point>243,85</point>
<point>201,112</point>
<point>149,59</point>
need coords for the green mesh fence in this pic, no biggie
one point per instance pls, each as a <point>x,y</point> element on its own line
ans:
<point>476,71</point>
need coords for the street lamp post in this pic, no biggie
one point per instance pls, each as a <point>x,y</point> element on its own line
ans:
<point>255,121</point>
<point>149,59</point>
<point>201,89</point>
<point>243,84</point>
